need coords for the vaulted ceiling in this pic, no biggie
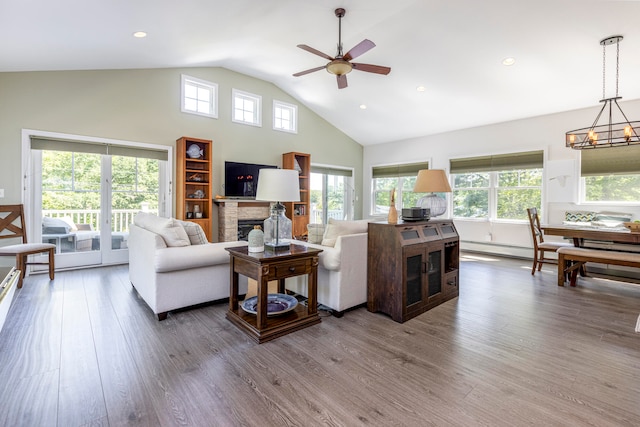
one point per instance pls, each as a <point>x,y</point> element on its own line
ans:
<point>454,49</point>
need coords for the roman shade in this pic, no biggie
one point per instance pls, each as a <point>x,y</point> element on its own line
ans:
<point>39,143</point>
<point>393,171</point>
<point>328,170</point>
<point>499,162</point>
<point>621,160</point>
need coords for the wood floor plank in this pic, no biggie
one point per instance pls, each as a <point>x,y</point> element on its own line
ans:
<point>81,400</point>
<point>30,401</point>
<point>126,398</point>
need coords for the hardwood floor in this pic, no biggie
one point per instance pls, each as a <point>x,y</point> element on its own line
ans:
<point>513,349</point>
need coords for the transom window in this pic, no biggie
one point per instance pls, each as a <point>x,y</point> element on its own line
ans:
<point>199,97</point>
<point>247,108</point>
<point>497,187</point>
<point>285,117</point>
<point>402,178</point>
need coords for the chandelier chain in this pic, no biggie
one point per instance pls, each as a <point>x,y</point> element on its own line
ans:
<point>617,65</point>
<point>604,69</point>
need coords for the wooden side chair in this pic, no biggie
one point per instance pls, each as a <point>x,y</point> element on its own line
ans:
<point>12,227</point>
<point>539,245</point>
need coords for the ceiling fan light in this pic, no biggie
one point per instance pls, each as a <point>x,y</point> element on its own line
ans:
<point>339,67</point>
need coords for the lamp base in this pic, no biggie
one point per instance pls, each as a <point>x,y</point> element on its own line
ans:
<point>436,205</point>
<point>277,246</point>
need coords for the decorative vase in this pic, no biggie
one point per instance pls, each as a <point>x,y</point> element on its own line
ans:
<point>392,218</point>
<point>256,240</point>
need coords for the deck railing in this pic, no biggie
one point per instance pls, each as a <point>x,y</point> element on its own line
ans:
<point>120,218</point>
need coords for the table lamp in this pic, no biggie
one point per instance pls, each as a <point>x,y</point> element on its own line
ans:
<point>432,181</point>
<point>278,185</point>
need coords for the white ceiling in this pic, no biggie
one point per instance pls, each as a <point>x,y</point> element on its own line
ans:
<point>454,48</point>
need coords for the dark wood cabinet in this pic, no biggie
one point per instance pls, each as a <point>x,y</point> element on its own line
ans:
<point>412,267</point>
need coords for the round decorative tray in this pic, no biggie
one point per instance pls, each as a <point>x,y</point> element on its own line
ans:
<point>276,304</point>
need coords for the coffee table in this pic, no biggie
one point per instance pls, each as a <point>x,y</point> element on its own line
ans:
<point>273,265</point>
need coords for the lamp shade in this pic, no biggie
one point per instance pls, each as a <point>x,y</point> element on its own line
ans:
<point>278,185</point>
<point>430,181</point>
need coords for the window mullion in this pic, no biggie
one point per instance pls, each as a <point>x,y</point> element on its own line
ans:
<point>493,195</point>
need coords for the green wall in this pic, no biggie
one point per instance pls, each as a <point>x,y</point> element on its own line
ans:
<point>144,106</point>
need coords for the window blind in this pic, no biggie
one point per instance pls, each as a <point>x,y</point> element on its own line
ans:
<point>38,143</point>
<point>499,162</point>
<point>621,160</point>
<point>393,171</point>
<point>328,170</point>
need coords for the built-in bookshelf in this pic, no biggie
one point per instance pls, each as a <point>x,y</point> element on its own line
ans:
<point>194,187</point>
<point>298,212</point>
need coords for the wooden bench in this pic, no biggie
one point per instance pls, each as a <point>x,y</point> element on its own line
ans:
<point>571,260</point>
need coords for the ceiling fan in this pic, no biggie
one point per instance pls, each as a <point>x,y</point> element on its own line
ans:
<point>341,65</point>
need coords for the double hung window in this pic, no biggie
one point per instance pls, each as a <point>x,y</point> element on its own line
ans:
<point>611,175</point>
<point>497,187</point>
<point>402,178</point>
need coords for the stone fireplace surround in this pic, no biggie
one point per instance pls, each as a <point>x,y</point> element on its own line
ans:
<point>231,211</point>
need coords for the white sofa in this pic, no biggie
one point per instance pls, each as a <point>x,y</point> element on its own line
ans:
<point>170,272</point>
<point>342,269</point>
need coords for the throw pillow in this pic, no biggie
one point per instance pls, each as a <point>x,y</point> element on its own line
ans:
<point>337,228</point>
<point>579,216</point>
<point>611,219</point>
<point>194,232</point>
<point>174,235</point>
<point>168,228</point>
<point>315,233</point>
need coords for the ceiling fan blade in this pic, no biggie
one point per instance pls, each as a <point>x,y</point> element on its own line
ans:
<point>302,73</point>
<point>378,69</point>
<point>362,47</point>
<point>315,51</point>
<point>342,81</point>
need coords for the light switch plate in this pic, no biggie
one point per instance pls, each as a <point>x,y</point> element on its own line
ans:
<point>1,192</point>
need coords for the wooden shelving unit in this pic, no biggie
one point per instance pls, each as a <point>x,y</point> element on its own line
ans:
<point>194,186</point>
<point>298,212</point>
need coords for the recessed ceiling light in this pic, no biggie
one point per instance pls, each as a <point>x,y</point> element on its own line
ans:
<point>508,61</point>
<point>363,107</point>
<point>421,88</point>
<point>139,34</point>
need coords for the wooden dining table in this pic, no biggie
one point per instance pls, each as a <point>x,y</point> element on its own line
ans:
<point>579,234</point>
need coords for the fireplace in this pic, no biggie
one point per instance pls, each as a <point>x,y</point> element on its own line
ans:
<point>246,225</point>
<point>236,218</point>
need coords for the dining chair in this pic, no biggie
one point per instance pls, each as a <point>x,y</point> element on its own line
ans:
<point>539,245</point>
<point>12,226</point>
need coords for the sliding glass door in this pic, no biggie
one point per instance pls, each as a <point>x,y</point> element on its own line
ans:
<point>331,194</point>
<point>86,195</point>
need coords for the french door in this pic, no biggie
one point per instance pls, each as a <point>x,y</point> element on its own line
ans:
<point>85,193</point>
<point>331,194</point>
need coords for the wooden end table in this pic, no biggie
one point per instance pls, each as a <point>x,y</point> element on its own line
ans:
<point>273,265</point>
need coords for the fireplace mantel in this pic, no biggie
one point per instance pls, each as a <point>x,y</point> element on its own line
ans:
<point>232,210</point>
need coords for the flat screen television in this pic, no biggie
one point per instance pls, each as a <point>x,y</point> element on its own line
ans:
<point>241,179</point>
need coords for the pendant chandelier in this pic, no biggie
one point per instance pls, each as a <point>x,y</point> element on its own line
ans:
<point>607,134</point>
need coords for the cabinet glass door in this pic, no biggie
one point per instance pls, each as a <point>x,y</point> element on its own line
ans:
<point>414,273</point>
<point>434,272</point>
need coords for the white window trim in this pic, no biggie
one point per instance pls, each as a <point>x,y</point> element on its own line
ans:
<point>258,102</point>
<point>294,116</point>
<point>184,79</point>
